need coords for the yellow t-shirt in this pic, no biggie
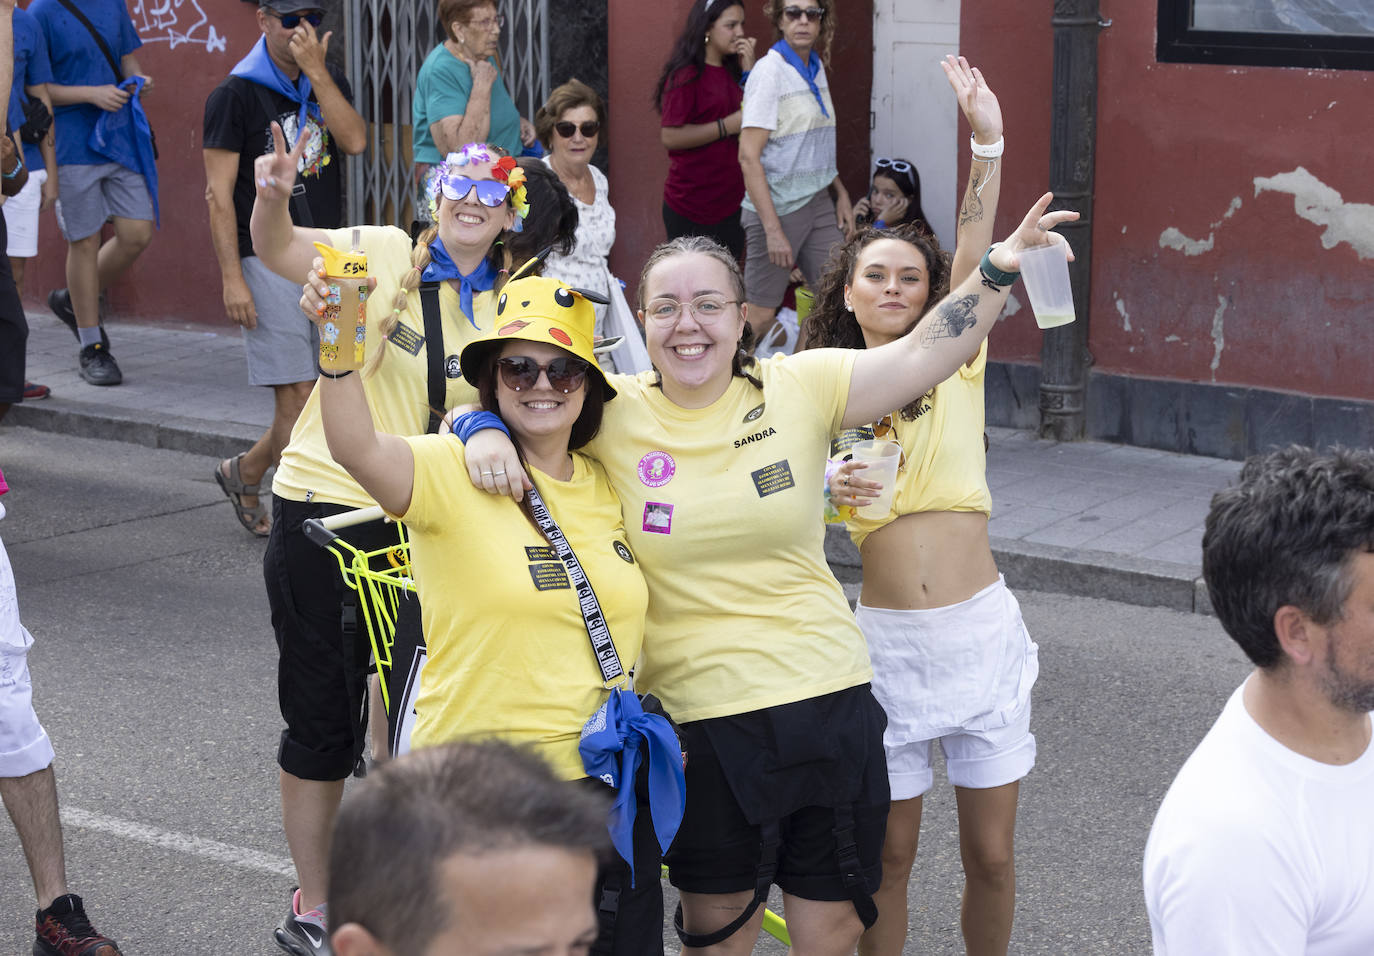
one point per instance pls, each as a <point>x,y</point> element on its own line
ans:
<point>398,391</point>
<point>946,464</point>
<point>722,507</point>
<point>508,651</point>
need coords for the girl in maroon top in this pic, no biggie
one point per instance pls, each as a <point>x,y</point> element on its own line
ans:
<point>698,96</point>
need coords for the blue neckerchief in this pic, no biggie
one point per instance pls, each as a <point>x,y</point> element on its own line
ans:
<point>808,70</point>
<point>442,267</point>
<point>614,743</point>
<point>258,67</point>
<point>124,137</point>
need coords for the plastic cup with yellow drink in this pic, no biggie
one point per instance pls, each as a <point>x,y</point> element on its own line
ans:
<point>343,327</point>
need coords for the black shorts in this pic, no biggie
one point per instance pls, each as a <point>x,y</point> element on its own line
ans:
<point>794,763</point>
<point>321,670</point>
<point>728,232</point>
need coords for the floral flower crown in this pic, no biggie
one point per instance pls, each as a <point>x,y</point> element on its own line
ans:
<point>504,169</point>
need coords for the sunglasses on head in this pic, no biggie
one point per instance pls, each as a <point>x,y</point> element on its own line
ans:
<point>566,373</point>
<point>566,129</point>
<point>814,14</point>
<point>489,191</point>
<point>293,20</point>
<point>896,165</point>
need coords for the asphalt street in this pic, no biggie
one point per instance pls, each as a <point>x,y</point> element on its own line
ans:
<point>154,674</point>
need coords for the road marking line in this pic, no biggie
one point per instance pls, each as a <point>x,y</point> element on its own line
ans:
<point>180,842</point>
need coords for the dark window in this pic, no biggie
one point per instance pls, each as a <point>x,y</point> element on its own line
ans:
<point>1318,34</point>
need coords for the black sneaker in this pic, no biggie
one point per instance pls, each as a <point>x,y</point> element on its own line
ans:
<point>60,302</point>
<point>64,930</point>
<point>99,367</point>
<point>304,934</point>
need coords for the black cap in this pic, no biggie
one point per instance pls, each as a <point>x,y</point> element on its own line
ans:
<point>291,6</point>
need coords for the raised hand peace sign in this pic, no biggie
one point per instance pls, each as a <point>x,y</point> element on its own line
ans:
<point>275,172</point>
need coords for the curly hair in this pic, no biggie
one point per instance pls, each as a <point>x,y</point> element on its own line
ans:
<point>706,246</point>
<point>831,325</point>
<point>772,9</point>
<point>568,96</point>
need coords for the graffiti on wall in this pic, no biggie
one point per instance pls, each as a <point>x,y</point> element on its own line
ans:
<point>175,22</point>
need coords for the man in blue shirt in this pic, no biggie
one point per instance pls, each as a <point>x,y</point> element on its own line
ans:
<point>89,92</point>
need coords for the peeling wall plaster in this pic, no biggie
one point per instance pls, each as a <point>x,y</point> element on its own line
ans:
<point>1313,200</point>
<point>1125,316</point>
<point>1218,333</point>
<point>1173,238</point>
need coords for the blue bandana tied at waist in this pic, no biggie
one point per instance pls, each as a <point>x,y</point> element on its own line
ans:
<point>126,138</point>
<point>442,268</point>
<point>617,739</point>
<point>808,70</point>
<point>258,67</point>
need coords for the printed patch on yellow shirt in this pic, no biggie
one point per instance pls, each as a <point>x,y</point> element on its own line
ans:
<point>657,468</point>
<point>773,478</point>
<point>406,339</point>
<point>549,576</point>
<point>658,517</point>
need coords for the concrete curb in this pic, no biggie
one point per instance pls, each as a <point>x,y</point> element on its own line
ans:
<point>151,429</point>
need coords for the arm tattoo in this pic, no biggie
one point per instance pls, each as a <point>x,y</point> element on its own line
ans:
<point>972,210</point>
<point>951,320</point>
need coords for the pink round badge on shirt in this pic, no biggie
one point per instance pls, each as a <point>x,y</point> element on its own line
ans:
<point>657,468</point>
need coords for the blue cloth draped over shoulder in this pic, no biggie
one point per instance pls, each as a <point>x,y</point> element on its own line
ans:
<point>125,137</point>
<point>619,737</point>
<point>258,67</point>
<point>442,268</point>
<point>808,70</point>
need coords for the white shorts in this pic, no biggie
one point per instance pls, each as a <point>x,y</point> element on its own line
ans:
<point>21,216</point>
<point>961,675</point>
<point>24,744</point>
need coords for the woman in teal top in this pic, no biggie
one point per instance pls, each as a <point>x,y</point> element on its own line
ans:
<point>459,94</point>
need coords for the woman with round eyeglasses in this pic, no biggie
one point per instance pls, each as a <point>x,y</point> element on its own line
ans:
<point>477,201</point>
<point>698,97</point>
<point>569,125</point>
<point>893,199</point>
<point>507,640</point>
<point>718,460</point>
<point>460,96</point>
<point>787,153</point>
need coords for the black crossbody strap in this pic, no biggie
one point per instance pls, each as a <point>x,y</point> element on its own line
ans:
<point>300,209</point>
<point>602,646</point>
<point>100,41</point>
<point>434,354</point>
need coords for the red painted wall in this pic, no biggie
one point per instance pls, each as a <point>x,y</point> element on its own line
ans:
<point>1276,301</point>
<point>641,36</point>
<point>188,47</point>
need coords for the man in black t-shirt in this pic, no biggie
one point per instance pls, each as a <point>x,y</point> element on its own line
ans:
<point>284,79</point>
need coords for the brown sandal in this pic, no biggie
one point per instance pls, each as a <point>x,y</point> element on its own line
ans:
<point>235,490</point>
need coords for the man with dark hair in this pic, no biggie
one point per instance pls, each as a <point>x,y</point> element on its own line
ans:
<point>1264,843</point>
<point>473,848</point>
<point>283,79</point>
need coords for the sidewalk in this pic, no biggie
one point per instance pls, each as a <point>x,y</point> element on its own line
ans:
<point>1084,518</point>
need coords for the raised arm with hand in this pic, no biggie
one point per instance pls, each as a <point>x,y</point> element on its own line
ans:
<point>344,123</point>
<point>979,207</point>
<point>286,249</point>
<point>892,375</point>
<point>474,123</point>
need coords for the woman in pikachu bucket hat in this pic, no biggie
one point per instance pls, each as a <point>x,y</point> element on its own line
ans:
<point>508,639</point>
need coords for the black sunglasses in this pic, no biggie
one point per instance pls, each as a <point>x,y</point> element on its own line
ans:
<point>814,14</point>
<point>293,20</point>
<point>566,373</point>
<point>566,129</point>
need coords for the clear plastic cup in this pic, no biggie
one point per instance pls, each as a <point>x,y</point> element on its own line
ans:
<point>883,459</point>
<point>1045,270</point>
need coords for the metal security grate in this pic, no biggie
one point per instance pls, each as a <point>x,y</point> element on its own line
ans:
<point>389,39</point>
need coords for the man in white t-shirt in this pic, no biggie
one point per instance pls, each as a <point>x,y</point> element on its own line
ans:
<point>1264,844</point>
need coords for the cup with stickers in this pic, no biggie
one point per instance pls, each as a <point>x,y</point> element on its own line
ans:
<point>343,326</point>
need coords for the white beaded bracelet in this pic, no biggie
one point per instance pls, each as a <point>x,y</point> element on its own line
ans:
<point>991,151</point>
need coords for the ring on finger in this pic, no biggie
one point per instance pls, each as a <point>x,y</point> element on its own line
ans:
<point>486,474</point>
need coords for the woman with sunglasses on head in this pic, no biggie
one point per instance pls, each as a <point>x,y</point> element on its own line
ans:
<point>509,650</point>
<point>893,199</point>
<point>787,153</point>
<point>460,96</point>
<point>698,97</point>
<point>477,201</point>
<point>569,126</point>
<point>952,660</point>
<point>718,460</point>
